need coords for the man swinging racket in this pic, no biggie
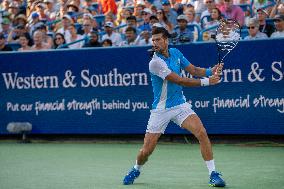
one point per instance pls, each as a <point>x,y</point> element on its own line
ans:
<point>170,103</point>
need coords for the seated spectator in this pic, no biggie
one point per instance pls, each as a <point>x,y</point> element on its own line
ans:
<point>278,8</point>
<point>93,40</point>
<point>184,35</point>
<point>6,27</point>
<point>107,43</point>
<point>210,4</point>
<point>235,12</point>
<point>131,37</point>
<point>15,33</point>
<point>110,34</point>
<point>254,33</point>
<point>24,42</point>
<point>145,25</point>
<point>170,13</point>
<point>163,20</point>
<point>190,16</point>
<point>49,10</point>
<point>59,40</point>
<point>75,37</point>
<point>153,20</point>
<point>268,29</point>
<point>46,38</point>
<point>145,38</point>
<point>66,22</point>
<point>3,46</point>
<point>131,22</point>
<point>215,16</point>
<point>39,44</point>
<point>279,25</point>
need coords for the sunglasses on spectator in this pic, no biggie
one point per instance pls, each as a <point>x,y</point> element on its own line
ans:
<point>208,2</point>
<point>251,27</point>
<point>86,25</point>
<point>159,13</point>
<point>277,20</point>
<point>227,0</point>
<point>57,38</point>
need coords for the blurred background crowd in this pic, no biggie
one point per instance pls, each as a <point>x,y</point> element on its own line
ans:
<point>51,24</point>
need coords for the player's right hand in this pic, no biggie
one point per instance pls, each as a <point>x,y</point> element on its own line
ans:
<point>214,79</point>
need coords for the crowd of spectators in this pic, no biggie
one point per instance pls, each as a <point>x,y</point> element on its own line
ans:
<point>52,24</point>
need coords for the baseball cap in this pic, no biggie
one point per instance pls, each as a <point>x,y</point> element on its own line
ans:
<point>279,17</point>
<point>165,2</point>
<point>263,10</point>
<point>109,24</point>
<point>67,16</point>
<point>35,15</point>
<point>182,17</point>
<point>147,10</point>
<point>5,21</point>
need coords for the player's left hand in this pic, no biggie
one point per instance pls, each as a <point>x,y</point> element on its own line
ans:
<point>217,69</point>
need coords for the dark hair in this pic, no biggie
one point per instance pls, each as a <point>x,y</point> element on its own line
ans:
<point>153,17</point>
<point>130,29</point>
<point>54,40</point>
<point>108,41</point>
<point>131,18</point>
<point>158,30</point>
<point>219,12</point>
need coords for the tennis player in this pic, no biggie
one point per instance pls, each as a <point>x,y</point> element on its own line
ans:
<point>170,103</point>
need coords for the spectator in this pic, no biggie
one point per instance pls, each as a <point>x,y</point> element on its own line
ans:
<point>20,20</point>
<point>184,35</point>
<point>49,10</point>
<point>40,7</point>
<point>163,20</point>
<point>75,37</point>
<point>145,38</point>
<point>146,14</point>
<point>110,34</point>
<point>24,42</point>
<point>140,5</point>
<point>6,27</point>
<point>254,33</point>
<point>264,27</point>
<point>107,43</point>
<point>233,12</point>
<point>13,9</point>
<point>46,38</point>
<point>93,40</point>
<point>108,6</point>
<point>3,46</point>
<point>131,22</point>
<point>131,37</point>
<point>66,22</point>
<point>215,16</point>
<point>169,12</point>
<point>38,41</point>
<point>190,16</point>
<point>279,25</point>
<point>278,8</point>
<point>59,40</point>
<point>210,4</point>
<point>153,20</point>
<point>87,28</point>
<point>15,33</point>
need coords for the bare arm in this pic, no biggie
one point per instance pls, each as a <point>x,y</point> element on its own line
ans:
<point>201,72</point>
<point>190,82</point>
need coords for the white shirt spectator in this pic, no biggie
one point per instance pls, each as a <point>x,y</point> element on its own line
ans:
<point>77,45</point>
<point>259,35</point>
<point>114,37</point>
<point>277,34</point>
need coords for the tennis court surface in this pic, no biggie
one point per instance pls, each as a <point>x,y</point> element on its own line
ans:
<point>56,165</point>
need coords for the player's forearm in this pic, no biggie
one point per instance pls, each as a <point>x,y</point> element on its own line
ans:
<point>190,82</point>
<point>199,72</point>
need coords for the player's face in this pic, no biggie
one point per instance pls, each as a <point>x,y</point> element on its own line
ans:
<point>160,43</point>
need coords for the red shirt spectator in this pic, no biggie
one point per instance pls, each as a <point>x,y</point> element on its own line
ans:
<point>108,6</point>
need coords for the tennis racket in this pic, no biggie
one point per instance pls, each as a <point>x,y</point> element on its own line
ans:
<point>228,34</point>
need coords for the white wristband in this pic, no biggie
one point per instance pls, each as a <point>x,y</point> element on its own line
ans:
<point>204,82</point>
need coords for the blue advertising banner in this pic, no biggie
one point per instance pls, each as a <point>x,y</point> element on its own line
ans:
<point>108,91</point>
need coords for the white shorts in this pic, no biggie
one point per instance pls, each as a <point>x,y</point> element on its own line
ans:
<point>159,119</point>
